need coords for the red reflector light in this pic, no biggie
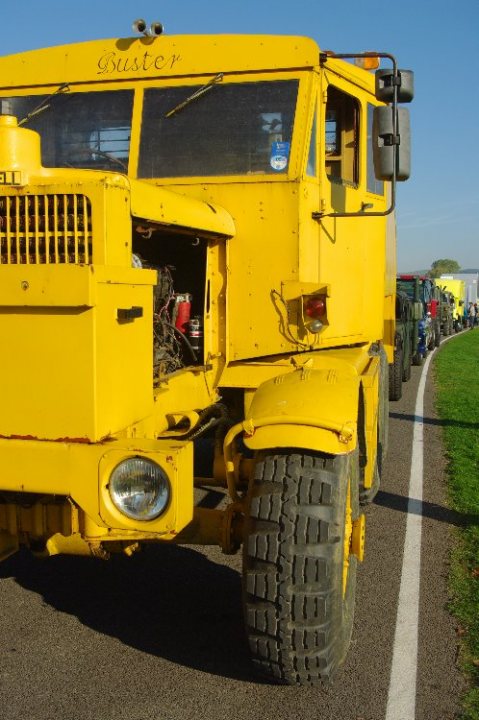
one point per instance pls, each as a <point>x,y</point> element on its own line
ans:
<point>315,307</point>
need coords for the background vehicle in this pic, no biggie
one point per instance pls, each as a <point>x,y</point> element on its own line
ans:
<point>446,310</point>
<point>470,280</point>
<point>173,261</point>
<point>420,292</point>
<point>433,306</point>
<point>457,289</point>
<point>406,343</point>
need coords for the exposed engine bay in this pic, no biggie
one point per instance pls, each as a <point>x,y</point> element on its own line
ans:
<point>179,296</point>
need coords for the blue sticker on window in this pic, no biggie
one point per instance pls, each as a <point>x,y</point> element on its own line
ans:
<point>279,155</point>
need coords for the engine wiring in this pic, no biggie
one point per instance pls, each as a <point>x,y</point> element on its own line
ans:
<point>167,351</point>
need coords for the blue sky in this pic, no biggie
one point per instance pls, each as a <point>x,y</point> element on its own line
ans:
<point>438,208</point>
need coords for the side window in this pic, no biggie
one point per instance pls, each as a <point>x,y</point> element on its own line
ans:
<point>311,166</point>
<point>373,185</point>
<point>342,137</point>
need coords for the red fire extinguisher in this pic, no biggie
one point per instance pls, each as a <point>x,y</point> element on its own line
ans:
<point>182,311</point>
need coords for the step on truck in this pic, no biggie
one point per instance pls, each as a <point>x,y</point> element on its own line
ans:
<point>179,219</point>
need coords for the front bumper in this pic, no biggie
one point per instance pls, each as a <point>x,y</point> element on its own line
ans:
<point>37,476</point>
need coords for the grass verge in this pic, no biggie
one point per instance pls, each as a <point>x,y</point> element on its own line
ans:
<point>457,379</point>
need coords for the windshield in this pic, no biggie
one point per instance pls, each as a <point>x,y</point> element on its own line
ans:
<point>408,287</point>
<point>82,130</point>
<point>233,129</point>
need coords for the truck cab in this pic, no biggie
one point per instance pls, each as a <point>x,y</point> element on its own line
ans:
<point>457,288</point>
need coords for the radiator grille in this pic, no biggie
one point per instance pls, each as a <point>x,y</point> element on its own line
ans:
<point>45,229</point>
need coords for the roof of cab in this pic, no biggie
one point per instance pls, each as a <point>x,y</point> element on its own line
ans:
<point>156,57</point>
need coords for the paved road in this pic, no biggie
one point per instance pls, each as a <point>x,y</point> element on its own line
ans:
<point>159,636</point>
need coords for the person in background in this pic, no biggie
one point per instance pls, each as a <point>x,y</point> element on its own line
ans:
<point>471,315</point>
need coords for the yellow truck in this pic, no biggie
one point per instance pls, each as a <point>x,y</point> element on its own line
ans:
<point>180,218</point>
<point>458,290</point>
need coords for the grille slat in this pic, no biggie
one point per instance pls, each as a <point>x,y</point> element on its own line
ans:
<point>17,230</point>
<point>45,229</point>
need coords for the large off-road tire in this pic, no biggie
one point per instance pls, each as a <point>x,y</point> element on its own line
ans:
<point>437,334</point>
<point>299,575</point>
<point>406,374</point>
<point>395,375</point>
<point>367,494</point>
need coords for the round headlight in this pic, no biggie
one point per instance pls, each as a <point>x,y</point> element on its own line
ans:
<point>139,488</point>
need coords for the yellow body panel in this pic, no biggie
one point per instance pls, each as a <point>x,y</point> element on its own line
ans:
<point>141,58</point>
<point>166,208</point>
<point>68,362</point>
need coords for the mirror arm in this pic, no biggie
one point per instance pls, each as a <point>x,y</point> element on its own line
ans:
<point>320,215</point>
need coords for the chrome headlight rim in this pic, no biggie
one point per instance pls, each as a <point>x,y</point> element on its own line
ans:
<point>125,483</point>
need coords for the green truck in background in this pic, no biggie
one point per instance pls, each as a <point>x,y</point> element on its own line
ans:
<point>419,291</point>
<point>446,312</point>
<point>408,314</point>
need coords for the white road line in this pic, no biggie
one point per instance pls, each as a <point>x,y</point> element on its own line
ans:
<point>402,686</point>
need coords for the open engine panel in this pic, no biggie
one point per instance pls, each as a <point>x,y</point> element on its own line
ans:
<point>179,296</point>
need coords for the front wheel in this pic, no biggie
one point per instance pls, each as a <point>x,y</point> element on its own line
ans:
<point>299,574</point>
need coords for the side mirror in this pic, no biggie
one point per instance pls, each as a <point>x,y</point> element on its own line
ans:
<point>385,144</point>
<point>417,311</point>
<point>385,83</point>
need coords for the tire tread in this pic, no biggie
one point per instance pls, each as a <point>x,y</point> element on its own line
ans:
<point>293,528</point>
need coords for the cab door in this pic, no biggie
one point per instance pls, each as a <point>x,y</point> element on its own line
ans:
<point>352,245</point>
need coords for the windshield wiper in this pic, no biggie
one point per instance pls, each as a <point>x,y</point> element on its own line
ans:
<point>45,103</point>
<point>194,96</point>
